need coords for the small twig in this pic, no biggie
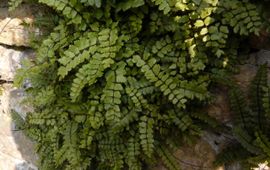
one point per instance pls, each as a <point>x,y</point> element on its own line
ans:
<point>5,26</point>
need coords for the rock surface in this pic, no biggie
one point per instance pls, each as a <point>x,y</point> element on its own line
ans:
<point>203,153</point>
<point>197,157</point>
<point>10,61</point>
<point>15,103</point>
<point>16,150</point>
<point>13,29</point>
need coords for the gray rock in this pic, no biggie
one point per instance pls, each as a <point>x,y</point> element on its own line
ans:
<point>217,142</point>
<point>16,98</point>
<point>196,157</point>
<point>10,61</point>
<point>15,147</point>
<point>263,56</point>
<point>26,166</point>
<point>259,58</point>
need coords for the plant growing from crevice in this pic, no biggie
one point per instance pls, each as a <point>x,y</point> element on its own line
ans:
<point>251,124</point>
<point>116,83</point>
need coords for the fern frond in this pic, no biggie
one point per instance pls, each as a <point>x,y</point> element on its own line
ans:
<point>206,119</point>
<point>114,78</point>
<point>96,3</point>
<point>133,150</point>
<point>95,119</point>
<point>59,38</point>
<point>77,53</point>
<point>131,116</point>
<point>238,104</point>
<point>167,158</point>
<point>263,142</point>
<point>266,101</point>
<point>244,19</point>
<point>146,135</point>
<point>163,5</point>
<point>112,92</point>
<point>246,140</point>
<point>256,94</point>
<point>129,4</point>
<point>178,91</point>
<point>13,4</point>
<point>69,151</point>
<point>102,59</point>
<point>68,9</point>
<point>181,120</point>
<point>231,154</point>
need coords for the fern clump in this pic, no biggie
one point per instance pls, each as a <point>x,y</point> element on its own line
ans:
<point>114,82</point>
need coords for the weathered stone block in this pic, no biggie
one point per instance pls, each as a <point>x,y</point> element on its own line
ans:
<point>10,61</point>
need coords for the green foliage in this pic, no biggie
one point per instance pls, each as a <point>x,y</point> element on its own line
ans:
<point>251,126</point>
<point>117,81</point>
<point>242,16</point>
<point>13,4</point>
<point>232,154</point>
<point>167,158</point>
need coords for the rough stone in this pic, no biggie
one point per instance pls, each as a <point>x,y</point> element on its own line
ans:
<point>16,150</point>
<point>22,11</point>
<point>16,98</point>
<point>217,141</point>
<point>195,157</point>
<point>219,108</point>
<point>13,29</point>
<point>10,61</point>
<point>245,76</point>
<point>26,166</point>
<point>263,56</point>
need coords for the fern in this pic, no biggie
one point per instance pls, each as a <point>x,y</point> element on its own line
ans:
<point>232,154</point>
<point>251,128</point>
<point>257,86</point>
<point>163,5</point>
<point>263,141</point>
<point>246,140</point>
<point>13,4</point>
<point>167,158</point>
<point>168,85</point>
<point>96,3</point>
<point>112,93</point>
<point>244,19</point>
<point>133,153</point>
<point>146,135</point>
<point>242,118</point>
<point>101,59</point>
<point>129,4</point>
<point>266,101</point>
<point>114,79</point>
<point>68,9</point>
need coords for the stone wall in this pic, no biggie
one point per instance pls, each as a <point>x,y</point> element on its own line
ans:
<point>16,151</point>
